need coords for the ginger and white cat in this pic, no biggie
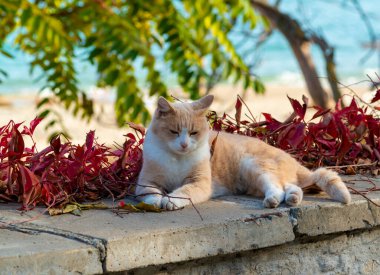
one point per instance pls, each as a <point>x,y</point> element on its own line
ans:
<point>177,163</point>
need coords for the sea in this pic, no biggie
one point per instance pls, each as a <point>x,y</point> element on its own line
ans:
<point>339,21</point>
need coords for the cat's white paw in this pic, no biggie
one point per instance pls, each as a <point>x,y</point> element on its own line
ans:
<point>153,200</point>
<point>274,197</point>
<point>173,203</point>
<point>293,199</point>
<point>293,195</point>
<point>271,202</point>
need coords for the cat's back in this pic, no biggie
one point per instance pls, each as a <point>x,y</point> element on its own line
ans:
<point>232,152</point>
<point>239,144</point>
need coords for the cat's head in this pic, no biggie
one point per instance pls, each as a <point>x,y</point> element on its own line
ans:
<point>181,127</point>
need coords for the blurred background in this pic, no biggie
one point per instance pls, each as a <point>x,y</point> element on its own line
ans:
<point>97,64</point>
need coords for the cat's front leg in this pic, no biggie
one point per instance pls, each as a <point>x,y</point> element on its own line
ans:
<point>193,192</point>
<point>149,193</point>
<point>174,201</point>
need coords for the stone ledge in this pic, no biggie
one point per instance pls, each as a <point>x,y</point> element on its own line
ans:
<point>356,253</point>
<point>230,225</point>
<point>26,253</point>
<point>326,218</point>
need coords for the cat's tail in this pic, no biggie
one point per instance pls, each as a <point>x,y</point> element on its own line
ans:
<point>325,180</point>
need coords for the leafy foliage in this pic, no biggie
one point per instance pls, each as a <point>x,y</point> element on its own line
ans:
<point>344,136</point>
<point>115,35</point>
<point>62,175</point>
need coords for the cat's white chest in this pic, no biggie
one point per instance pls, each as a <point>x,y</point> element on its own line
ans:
<point>174,168</point>
<point>177,169</point>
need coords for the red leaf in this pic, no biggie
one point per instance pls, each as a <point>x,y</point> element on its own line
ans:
<point>338,105</point>
<point>137,127</point>
<point>353,104</point>
<point>330,144</point>
<point>90,139</point>
<point>376,97</point>
<point>55,143</point>
<point>293,135</point>
<point>31,187</point>
<point>305,100</point>
<point>238,107</point>
<point>346,142</point>
<point>273,124</point>
<point>320,112</point>
<point>296,136</point>
<point>298,109</point>
<point>16,145</point>
<point>131,136</point>
<point>34,123</point>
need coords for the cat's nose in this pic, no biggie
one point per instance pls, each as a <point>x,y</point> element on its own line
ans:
<point>183,145</point>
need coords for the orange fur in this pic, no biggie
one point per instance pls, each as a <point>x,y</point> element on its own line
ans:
<point>177,163</point>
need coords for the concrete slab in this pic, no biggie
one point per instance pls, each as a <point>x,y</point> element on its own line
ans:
<point>318,218</point>
<point>22,253</point>
<point>228,225</point>
<point>138,240</point>
<point>375,210</point>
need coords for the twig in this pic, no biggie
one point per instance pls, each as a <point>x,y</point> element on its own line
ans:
<point>361,194</point>
<point>263,216</point>
<point>375,85</point>
<point>8,224</point>
<point>176,98</point>
<point>356,95</point>
<point>182,198</point>
<point>245,104</point>
<point>352,165</point>
<point>367,179</point>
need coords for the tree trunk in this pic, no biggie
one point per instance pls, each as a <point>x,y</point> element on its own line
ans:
<point>328,54</point>
<point>300,45</point>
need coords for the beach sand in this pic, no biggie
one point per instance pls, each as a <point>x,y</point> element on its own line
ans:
<point>22,108</point>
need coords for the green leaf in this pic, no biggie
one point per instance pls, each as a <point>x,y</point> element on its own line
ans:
<point>95,52</point>
<point>44,113</point>
<point>35,24</point>
<point>194,37</point>
<point>111,77</point>
<point>7,54</point>
<point>258,86</point>
<point>103,65</point>
<point>25,16</point>
<point>4,73</point>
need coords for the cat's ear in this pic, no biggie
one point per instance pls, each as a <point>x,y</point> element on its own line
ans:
<point>163,106</point>
<point>203,103</point>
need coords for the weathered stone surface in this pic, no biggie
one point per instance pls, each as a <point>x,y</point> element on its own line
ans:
<point>138,240</point>
<point>318,218</point>
<point>375,210</point>
<point>22,253</point>
<point>194,243</point>
<point>341,254</point>
<point>229,225</point>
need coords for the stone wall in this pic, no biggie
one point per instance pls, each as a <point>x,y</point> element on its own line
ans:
<point>356,252</point>
<point>231,235</point>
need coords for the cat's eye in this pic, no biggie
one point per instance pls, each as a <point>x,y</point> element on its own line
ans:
<point>193,133</point>
<point>174,132</point>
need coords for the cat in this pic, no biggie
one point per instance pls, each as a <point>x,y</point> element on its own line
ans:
<point>178,166</point>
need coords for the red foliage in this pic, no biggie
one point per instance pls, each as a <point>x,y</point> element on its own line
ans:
<point>376,97</point>
<point>63,172</point>
<point>344,136</point>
